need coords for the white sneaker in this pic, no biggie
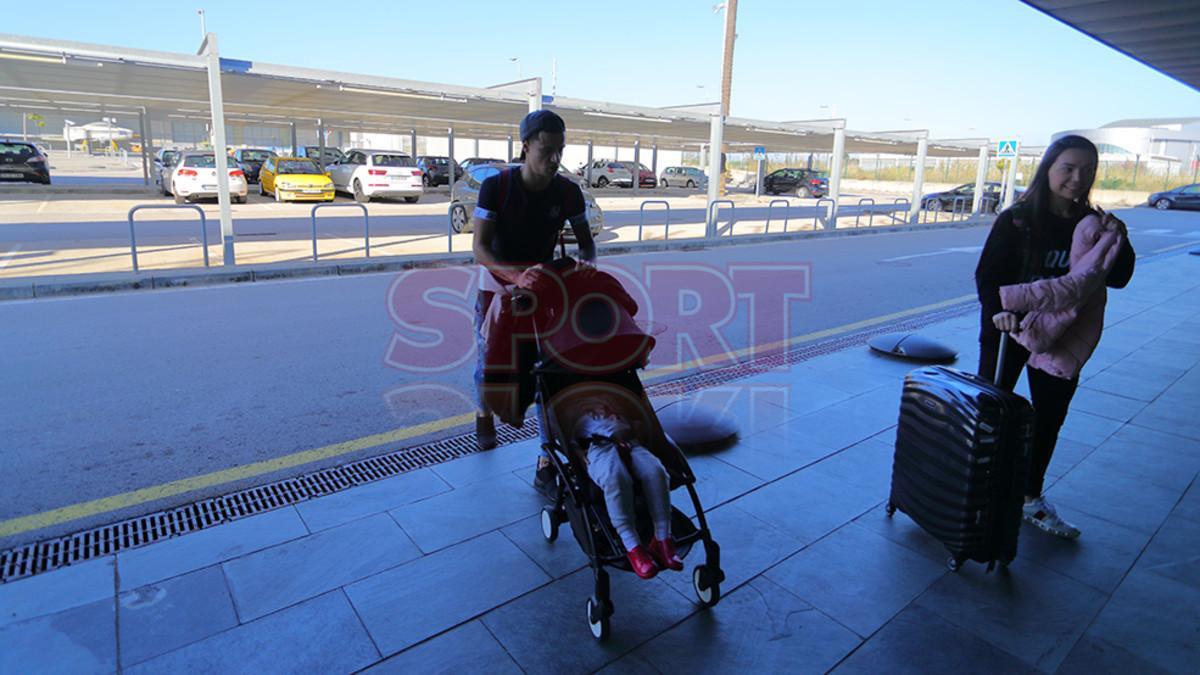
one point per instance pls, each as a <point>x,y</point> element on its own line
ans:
<point>1042,514</point>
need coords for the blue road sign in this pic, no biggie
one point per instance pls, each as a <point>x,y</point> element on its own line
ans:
<point>1005,149</point>
<point>760,152</point>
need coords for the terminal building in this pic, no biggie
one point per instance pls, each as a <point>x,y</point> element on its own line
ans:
<point>1162,145</point>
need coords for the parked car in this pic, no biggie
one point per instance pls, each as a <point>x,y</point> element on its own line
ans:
<point>23,162</point>
<point>1183,197</point>
<point>465,193</point>
<point>193,175</point>
<point>800,182</point>
<point>250,161</point>
<point>683,176</point>
<point>375,174</point>
<point>295,179</point>
<point>965,196</point>
<point>162,159</point>
<point>478,161</point>
<point>435,171</point>
<point>646,177</point>
<point>331,154</point>
<point>606,172</point>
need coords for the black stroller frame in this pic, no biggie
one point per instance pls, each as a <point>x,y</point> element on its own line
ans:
<point>578,500</point>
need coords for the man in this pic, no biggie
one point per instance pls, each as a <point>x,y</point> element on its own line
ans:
<point>517,221</point>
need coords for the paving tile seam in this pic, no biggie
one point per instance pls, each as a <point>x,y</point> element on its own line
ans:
<point>363,624</point>
<point>498,642</point>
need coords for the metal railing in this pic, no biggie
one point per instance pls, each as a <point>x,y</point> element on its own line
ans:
<point>959,209</point>
<point>829,213</point>
<point>865,201</point>
<point>142,207</point>
<point>366,225</point>
<point>787,206</point>
<point>907,203</point>
<point>642,217</point>
<point>712,217</point>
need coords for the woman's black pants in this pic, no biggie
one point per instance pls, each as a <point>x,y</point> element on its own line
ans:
<point>1051,397</point>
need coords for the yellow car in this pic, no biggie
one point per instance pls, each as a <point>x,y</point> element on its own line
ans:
<point>294,179</point>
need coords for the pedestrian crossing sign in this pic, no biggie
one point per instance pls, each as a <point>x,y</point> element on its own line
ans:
<point>1006,149</point>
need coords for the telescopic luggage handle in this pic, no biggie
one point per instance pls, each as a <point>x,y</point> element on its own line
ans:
<point>1000,357</point>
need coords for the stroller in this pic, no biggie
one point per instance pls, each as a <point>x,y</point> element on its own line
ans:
<point>565,371</point>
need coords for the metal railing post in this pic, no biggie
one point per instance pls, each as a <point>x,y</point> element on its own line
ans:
<point>870,213</point>
<point>142,207</point>
<point>907,208</point>
<point>642,216</point>
<point>712,213</point>
<point>450,228</point>
<point>958,208</point>
<point>366,225</point>
<point>787,206</point>
<point>829,211</point>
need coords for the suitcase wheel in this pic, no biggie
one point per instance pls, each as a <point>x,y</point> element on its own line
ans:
<point>955,564</point>
<point>891,509</point>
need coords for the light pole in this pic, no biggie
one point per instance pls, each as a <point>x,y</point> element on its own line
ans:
<point>203,28</point>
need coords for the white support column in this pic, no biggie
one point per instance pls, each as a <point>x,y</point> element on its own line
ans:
<point>914,212</point>
<point>654,161</point>
<point>980,180</point>
<point>835,173</point>
<point>217,104</point>
<point>412,143</point>
<point>476,147</point>
<point>637,170</point>
<point>1010,186</point>
<point>535,94</point>
<point>715,139</point>
<point>510,149</point>
<point>758,176</point>
<point>295,145</point>
<point>450,158</point>
<point>587,172</point>
<point>321,143</point>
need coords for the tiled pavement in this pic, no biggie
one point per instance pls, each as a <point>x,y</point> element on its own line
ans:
<point>445,570</point>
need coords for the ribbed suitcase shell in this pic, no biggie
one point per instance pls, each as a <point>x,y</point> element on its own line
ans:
<point>962,454</point>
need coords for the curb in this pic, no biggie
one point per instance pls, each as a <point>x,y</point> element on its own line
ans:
<point>29,288</point>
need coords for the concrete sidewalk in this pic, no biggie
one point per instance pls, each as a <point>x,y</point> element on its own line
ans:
<point>444,569</point>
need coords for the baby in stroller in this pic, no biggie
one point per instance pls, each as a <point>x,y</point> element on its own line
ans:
<point>615,460</point>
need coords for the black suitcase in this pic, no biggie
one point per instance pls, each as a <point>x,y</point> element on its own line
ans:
<point>962,455</point>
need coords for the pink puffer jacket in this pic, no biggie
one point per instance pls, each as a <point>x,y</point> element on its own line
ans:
<point>1066,314</point>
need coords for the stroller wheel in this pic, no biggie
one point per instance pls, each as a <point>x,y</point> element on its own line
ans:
<point>549,523</point>
<point>708,589</point>
<point>597,621</point>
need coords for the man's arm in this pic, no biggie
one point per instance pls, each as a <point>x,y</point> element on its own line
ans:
<point>583,235</point>
<point>485,230</point>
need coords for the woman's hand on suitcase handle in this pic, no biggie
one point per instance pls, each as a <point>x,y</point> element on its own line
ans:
<point>1007,322</point>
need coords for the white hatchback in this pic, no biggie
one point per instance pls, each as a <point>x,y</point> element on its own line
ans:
<point>194,176</point>
<point>369,174</point>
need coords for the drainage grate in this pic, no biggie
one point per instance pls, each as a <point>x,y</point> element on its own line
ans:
<point>50,554</point>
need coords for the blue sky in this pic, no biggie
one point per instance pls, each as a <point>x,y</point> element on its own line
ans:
<point>960,68</point>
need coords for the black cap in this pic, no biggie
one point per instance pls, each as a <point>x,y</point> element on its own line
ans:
<point>541,120</point>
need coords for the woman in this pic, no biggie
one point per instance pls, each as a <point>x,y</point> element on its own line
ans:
<point>1031,241</point>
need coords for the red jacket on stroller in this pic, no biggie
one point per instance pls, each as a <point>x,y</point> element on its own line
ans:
<point>583,319</point>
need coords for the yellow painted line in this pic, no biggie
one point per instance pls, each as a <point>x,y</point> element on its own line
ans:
<point>127,499</point>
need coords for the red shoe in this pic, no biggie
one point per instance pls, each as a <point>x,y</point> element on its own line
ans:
<point>664,554</point>
<point>643,565</point>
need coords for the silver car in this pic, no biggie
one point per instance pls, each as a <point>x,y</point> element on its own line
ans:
<point>683,176</point>
<point>607,172</point>
<point>465,193</point>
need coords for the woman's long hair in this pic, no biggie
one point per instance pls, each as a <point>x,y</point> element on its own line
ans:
<point>1036,200</point>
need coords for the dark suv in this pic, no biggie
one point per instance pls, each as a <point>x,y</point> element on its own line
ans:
<point>250,161</point>
<point>435,172</point>
<point>800,182</point>
<point>20,161</point>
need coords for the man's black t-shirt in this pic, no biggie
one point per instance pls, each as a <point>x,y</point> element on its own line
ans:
<point>1003,259</point>
<point>527,223</point>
